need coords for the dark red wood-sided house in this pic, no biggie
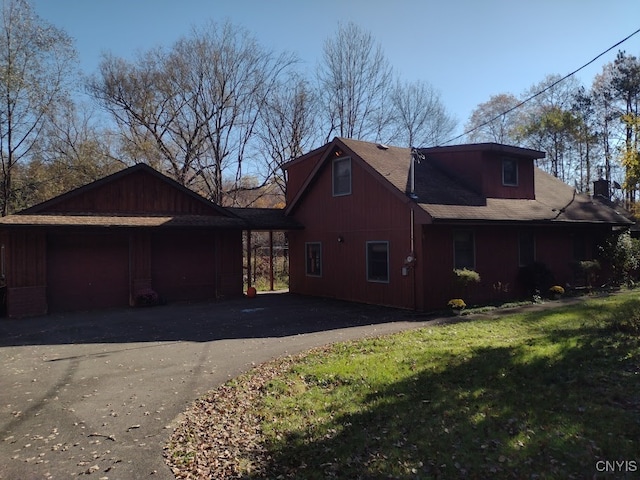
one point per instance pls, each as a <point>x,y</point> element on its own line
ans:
<point>387,225</point>
<point>119,241</point>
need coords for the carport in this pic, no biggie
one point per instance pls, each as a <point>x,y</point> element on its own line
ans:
<point>133,238</point>
<point>264,220</point>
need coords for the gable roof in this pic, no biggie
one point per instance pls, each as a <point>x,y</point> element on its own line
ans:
<point>388,164</point>
<point>82,207</point>
<point>58,204</point>
<point>446,199</point>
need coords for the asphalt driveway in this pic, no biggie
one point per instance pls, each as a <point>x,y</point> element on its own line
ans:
<point>99,393</point>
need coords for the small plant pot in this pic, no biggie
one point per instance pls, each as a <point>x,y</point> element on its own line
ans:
<point>457,311</point>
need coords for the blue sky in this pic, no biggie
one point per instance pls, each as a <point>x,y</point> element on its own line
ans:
<point>467,50</point>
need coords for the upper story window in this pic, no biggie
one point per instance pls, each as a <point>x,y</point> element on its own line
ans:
<point>341,174</point>
<point>510,172</point>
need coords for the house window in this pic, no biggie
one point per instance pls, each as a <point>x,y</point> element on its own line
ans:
<point>378,262</point>
<point>341,176</point>
<point>526,249</point>
<point>510,172</point>
<point>313,254</point>
<point>464,249</point>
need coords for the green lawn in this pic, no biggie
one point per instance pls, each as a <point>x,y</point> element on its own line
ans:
<point>549,394</point>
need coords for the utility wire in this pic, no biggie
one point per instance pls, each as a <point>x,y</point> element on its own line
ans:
<point>543,90</point>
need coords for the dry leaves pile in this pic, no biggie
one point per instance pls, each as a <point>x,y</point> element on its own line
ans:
<point>220,436</point>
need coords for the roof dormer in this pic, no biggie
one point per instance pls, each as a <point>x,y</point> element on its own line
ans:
<point>490,169</point>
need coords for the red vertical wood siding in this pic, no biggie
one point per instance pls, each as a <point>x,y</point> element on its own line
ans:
<point>298,172</point>
<point>229,264</point>
<point>25,273</point>
<point>138,192</point>
<point>483,172</point>
<point>492,179</point>
<point>497,261</point>
<point>370,213</point>
<point>140,264</point>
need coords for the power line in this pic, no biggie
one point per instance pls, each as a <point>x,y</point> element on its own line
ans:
<point>549,87</point>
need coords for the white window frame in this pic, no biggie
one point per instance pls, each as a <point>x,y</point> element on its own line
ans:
<point>371,243</point>
<point>337,161</point>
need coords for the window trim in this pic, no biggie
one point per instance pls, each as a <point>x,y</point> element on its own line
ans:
<point>333,176</point>
<point>473,249</point>
<point>514,162</point>
<point>388,276</point>
<point>306,259</point>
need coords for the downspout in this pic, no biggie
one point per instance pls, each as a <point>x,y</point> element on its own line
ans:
<point>415,264</point>
<point>416,156</point>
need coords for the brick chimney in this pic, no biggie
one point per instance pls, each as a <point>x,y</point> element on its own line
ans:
<point>601,189</point>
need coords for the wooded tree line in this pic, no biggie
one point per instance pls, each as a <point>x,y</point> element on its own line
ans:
<point>587,133</point>
<point>221,114</point>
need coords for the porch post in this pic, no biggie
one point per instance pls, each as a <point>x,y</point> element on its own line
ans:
<point>271,260</point>
<point>248,259</point>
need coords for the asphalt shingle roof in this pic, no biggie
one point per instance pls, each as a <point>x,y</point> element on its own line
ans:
<point>446,199</point>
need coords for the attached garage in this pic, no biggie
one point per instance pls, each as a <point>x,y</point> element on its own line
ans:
<point>110,243</point>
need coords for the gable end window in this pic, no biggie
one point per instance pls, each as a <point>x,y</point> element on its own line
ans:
<point>510,172</point>
<point>378,262</point>
<point>313,259</point>
<point>341,175</point>
<point>464,250</point>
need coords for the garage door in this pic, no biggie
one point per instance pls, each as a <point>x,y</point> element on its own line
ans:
<point>87,271</point>
<point>183,266</point>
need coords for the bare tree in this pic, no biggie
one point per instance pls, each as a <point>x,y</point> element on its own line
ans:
<point>494,120</point>
<point>150,104</point>
<point>586,136</point>
<point>288,127</point>
<point>419,117</point>
<point>549,124</point>
<point>193,109</point>
<point>36,64</point>
<point>354,80</point>
<point>605,115</point>
<point>73,149</point>
<point>76,149</point>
